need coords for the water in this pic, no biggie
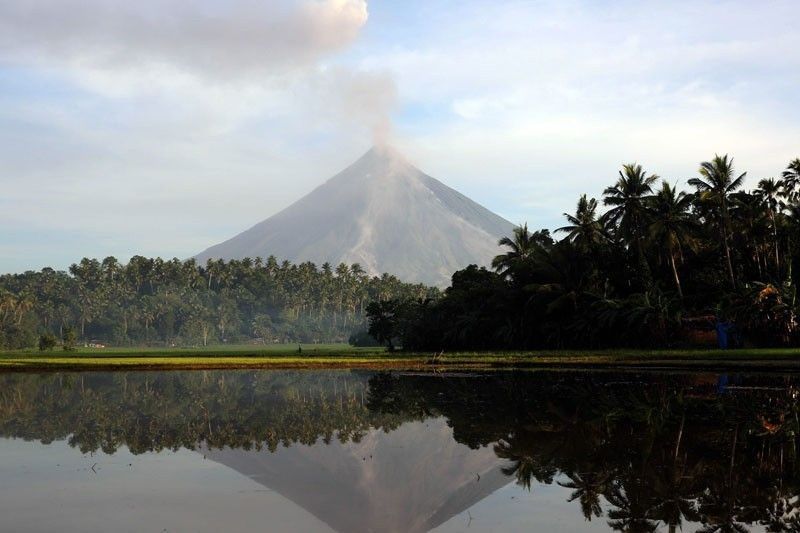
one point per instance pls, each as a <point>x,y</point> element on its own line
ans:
<point>366,451</point>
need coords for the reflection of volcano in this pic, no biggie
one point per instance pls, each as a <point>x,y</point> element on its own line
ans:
<point>411,479</point>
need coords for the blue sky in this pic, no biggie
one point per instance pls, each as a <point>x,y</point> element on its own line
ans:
<point>163,126</point>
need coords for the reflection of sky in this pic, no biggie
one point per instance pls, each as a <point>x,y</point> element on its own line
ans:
<point>544,508</point>
<point>52,488</point>
<point>520,105</point>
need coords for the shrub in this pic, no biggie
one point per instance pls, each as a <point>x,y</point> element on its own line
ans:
<point>47,342</point>
<point>362,338</point>
<point>68,339</point>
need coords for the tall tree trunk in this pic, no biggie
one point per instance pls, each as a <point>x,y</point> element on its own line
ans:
<point>645,275</point>
<point>675,275</point>
<point>724,235</point>
<point>680,437</point>
<point>758,263</point>
<point>733,450</point>
<point>775,236</point>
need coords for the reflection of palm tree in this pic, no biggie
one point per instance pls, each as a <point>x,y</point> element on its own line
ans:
<point>719,507</point>
<point>522,468</point>
<point>631,513</point>
<point>675,495</point>
<point>587,489</point>
<point>573,431</point>
<point>524,465</point>
<point>781,516</point>
<point>724,527</point>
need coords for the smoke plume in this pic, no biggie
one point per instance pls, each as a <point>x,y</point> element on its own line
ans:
<point>363,98</point>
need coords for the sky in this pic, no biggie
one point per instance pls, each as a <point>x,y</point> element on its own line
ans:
<point>161,127</point>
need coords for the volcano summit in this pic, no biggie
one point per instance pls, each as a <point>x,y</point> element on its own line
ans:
<point>380,212</point>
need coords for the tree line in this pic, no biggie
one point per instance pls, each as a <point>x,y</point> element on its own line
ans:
<point>183,303</point>
<point>646,265</point>
<point>156,411</point>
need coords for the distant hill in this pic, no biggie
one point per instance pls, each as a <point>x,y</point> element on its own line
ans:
<point>380,212</point>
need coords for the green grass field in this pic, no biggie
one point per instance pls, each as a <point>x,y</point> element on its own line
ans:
<point>211,351</point>
<point>345,356</point>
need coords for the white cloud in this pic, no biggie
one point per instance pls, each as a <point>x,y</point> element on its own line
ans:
<point>208,38</point>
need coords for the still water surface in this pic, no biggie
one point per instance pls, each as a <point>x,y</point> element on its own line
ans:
<point>363,451</point>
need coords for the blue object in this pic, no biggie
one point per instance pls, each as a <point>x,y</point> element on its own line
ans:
<point>722,383</point>
<point>723,330</point>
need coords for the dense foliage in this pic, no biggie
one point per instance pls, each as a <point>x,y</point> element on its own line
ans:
<point>154,411</point>
<point>152,301</point>
<point>657,268</point>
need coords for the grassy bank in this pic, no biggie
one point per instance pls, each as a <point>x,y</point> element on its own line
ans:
<point>254,350</point>
<point>344,356</point>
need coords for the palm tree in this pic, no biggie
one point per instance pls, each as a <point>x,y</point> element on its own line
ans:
<point>627,198</point>
<point>671,226</point>
<point>561,276</point>
<point>584,228</point>
<point>769,190</point>
<point>522,246</point>
<point>628,211</point>
<point>716,184</point>
<point>747,214</point>
<point>25,303</point>
<point>560,285</point>
<point>8,305</point>
<point>791,179</point>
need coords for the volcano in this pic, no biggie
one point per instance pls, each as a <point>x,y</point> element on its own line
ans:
<point>382,213</point>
